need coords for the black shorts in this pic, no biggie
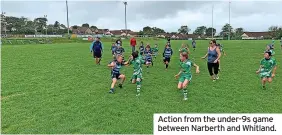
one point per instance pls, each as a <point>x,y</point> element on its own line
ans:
<point>115,75</point>
<point>166,59</point>
<point>97,54</point>
<point>194,46</point>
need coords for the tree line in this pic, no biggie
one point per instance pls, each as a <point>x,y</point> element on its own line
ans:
<point>21,25</point>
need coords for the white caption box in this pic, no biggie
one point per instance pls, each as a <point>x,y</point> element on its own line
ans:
<point>217,124</point>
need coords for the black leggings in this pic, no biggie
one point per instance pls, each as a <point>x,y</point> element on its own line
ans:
<point>213,68</point>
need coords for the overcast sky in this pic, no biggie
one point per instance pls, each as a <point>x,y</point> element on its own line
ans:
<point>168,15</point>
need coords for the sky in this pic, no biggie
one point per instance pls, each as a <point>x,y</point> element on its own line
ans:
<point>168,15</point>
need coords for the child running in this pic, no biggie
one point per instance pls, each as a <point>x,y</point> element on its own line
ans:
<point>155,51</point>
<point>137,62</point>
<point>113,49</point>
<point>148,56</point>
<point>119,51</point>
<point>166,55</point>
<point>141,48</point>
<point>194,45</point>
<point>115,73</point>
<point>267,69</point>
<point>185,74</point>
<point>220,47</point>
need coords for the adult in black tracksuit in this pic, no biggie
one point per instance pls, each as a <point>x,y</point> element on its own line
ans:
<point>96,49</point>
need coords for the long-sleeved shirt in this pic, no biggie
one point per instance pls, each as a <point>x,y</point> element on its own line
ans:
<point>92,45</point>
<point>167,52</point>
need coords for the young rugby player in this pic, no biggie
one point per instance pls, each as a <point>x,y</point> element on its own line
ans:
<point>166,55</point>
<point>148,56</point>
<point>185,74</point>
<point>137,62</point>
<point>267,69</point>
<point>155,51</point>
<point>115,72</point>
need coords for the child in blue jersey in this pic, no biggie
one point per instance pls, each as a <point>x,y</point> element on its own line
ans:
<point>141,48</point>
<point>115,74</point>
<point>148,56</point>
<point>119,51</point>
<point>113,49</point>
<point>166,55</point>
<point>194,45</point>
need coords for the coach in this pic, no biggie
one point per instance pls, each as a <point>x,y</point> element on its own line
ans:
<point>133,43</point>
<point>96,49</point>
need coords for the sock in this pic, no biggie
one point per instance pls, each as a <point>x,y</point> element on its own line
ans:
<point>185,92</point>
<point>112,89</point>
<point>99,61</point>
<point>152,64</point>
<point>138,86</point>
<point>166,65</point>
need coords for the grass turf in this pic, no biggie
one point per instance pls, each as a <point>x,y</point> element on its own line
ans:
<point>57,89</point>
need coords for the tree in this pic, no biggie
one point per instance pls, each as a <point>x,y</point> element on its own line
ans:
<point>56,24</point>
<point>40,24</point>
<point>276,32</point>
<point>75,27</point>
<point>225,31</point>
<point>63,26</point>
<point>238,33</point>
<point>157,30</point>
<point>200,30</point>
<point>184,29</point>
<point>147,30</point>
<point>210,31</point>
<point>140,32</point>
<point>93,27</point>
<point>85,25</point>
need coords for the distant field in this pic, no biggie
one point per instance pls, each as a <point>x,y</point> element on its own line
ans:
<point>57,89</point>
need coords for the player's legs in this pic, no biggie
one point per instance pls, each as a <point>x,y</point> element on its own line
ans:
<point>138,82</point>
<point>114,80</point>
<point>269,79</point>
<point>263,81</point>
<point>185,91</point>
<point>122,78</point>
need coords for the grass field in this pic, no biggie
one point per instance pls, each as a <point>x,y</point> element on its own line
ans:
<point>57,89</point>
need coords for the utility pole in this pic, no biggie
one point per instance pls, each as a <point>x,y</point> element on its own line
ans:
<point>45,16</point>
<point>125,4</point>
<point>212,21</point>
<point>3,19</point>
<point>68,18</point>
<point>229,23</point>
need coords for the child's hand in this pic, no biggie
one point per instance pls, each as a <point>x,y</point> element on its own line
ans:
<point>176,76</point>
<point>257,71</point>
<point>273,75</point>
<point>197,71</point>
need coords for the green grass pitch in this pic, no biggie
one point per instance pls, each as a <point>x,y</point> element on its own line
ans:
<point>57,88</point>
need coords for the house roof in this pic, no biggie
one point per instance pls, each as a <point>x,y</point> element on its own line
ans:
<point>133,33</point>
<point>257,34</point>
<point>116,32</point>
<point>82,29</point>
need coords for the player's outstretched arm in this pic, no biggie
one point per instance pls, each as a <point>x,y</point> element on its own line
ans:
<point>112,64</point>
<point>274,71</point>
<point>259,69</point>
<point>197,68</point>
